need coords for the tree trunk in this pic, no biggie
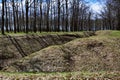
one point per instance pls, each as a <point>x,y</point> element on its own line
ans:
<point>27,8</point>
<point>3,17</point>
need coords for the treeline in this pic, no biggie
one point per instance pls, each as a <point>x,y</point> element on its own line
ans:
<point>56,15</point>
<point>110,16</point>
<point>49,15</point>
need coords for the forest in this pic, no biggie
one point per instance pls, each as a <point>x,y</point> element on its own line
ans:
<point>57,15</point>
<point>59,39</point>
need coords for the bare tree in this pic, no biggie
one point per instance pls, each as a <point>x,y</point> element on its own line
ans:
<point>27,9</point>
<point>41,16</point>
<point>47,14</point>
<point>3,17</point>
<point>34,28</point>
<point>89,21</point>
<point>66,26</point>
<point>6,22</point>
<point>58,22</point>
<point>13,6</point>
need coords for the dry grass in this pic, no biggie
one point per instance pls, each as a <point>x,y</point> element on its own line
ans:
<point>93,58</point>
<point>11,50</point>
<point>86,54</point>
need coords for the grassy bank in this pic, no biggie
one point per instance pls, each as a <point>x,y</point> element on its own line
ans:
<point>61,76</point>
<point>94,58</point>
<point>42,33</point>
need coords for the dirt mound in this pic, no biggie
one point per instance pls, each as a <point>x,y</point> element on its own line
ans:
<point>85,54</point>
<point>16,47</point>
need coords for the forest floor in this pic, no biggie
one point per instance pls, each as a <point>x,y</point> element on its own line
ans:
<point>79,58</point>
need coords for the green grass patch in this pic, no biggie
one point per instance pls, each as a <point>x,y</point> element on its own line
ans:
<point>115,34</point>
<point>105,34</point>
<point>64,74</point>
<point>42,33</point>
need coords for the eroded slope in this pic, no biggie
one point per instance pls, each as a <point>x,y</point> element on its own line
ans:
<point>86,54</point>
<point>13,48</point>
